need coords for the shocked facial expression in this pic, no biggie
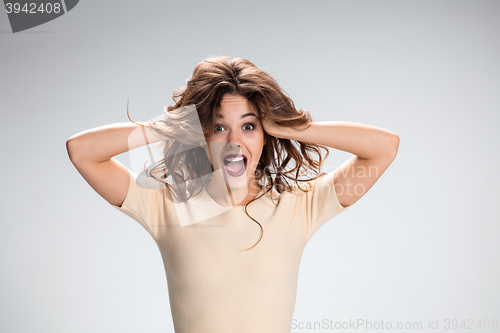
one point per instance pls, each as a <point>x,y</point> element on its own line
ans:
<point>237,140</point>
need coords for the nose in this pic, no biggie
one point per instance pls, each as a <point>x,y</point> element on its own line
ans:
<point>233,140</point>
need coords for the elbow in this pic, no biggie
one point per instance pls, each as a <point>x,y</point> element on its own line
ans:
<point>390,147</point>
<point>394,145</point>
<point>71,148</point>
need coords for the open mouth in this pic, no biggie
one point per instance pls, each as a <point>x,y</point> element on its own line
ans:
<point>235,164</point>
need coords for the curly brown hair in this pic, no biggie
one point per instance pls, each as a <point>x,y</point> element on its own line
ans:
<point>186,162</point>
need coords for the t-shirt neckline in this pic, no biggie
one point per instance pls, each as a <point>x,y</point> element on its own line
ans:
<point>209,197</point>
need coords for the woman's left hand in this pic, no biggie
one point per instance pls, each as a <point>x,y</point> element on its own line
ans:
<point>272,128</point>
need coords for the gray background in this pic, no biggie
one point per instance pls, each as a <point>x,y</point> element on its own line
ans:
<point>422,244</point>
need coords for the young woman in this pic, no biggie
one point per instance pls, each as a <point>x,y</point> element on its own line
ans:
<point>236,195</point>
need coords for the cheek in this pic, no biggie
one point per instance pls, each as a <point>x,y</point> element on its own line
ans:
<point>209,151</point>
<point>262,139</point>
<point>257,145</point>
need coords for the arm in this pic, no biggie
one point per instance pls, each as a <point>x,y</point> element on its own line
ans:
<point>374,149</point>
<point>91,152</point>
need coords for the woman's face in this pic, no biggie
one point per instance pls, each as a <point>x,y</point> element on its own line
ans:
<point>237,141</point>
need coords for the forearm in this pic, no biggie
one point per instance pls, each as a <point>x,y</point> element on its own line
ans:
<point>101,143</point>
<point>362,140</point>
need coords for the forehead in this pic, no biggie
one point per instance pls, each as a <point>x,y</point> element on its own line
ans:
<point>235,104</point>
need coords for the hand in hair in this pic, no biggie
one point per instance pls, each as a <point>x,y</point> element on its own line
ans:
<point>279,131</point>
<point>273,128</point>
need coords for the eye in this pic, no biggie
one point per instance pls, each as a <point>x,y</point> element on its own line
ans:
<point>246,127</point>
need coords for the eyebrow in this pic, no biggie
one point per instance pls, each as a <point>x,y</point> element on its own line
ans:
<point>243,116</point>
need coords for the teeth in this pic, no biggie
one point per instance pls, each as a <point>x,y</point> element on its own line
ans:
<point>234,159</point>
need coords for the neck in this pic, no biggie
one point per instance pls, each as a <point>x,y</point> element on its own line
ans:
<point>226,195</point>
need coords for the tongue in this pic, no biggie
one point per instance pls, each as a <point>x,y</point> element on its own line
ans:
<point>236,166</point>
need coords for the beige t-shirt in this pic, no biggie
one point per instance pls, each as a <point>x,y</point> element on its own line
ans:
<point>212,286</point>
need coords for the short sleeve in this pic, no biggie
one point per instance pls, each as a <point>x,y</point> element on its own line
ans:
<point>148,202</point>
<point>318,205</point>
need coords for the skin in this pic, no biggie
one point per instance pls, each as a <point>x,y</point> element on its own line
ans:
<point>374,149</point>
<point>238,125</point>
